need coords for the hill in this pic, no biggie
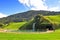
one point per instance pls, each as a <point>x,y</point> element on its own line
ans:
<point>43,23</point>
<point>16,26</point>
<point>26,16</point>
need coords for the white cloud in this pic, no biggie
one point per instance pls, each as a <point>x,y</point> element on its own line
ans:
<point>34,4</point>
<point>54,9</point>
<point>2,15</point>
<point>38,5</point>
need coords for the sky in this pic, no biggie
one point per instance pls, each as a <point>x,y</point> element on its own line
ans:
<point>9,7</point>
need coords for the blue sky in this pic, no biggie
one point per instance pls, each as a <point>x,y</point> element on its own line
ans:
<point>9,7</point>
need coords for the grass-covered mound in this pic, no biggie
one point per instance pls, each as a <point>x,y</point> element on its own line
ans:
<point>55,19</point>
<point>41,23</point>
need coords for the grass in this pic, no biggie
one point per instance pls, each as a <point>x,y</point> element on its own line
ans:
<point>14,26</point>
<point>30,36</point>
<point>55,18</point>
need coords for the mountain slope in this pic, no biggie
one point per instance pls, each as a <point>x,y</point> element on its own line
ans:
<point>25,16</point>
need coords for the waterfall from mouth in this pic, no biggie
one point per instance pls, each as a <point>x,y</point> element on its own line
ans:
<point>34,26</point>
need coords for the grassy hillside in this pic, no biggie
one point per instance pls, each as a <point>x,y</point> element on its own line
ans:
<point>30,36</point>
<point>55,18</point>
<point>14,26</point>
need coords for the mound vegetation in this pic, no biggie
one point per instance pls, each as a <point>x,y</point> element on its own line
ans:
<point>41,23</point>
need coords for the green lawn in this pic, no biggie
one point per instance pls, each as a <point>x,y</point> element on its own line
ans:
<point>30,36</point>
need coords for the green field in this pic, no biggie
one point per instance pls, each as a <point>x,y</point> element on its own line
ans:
<point>30,36</point>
